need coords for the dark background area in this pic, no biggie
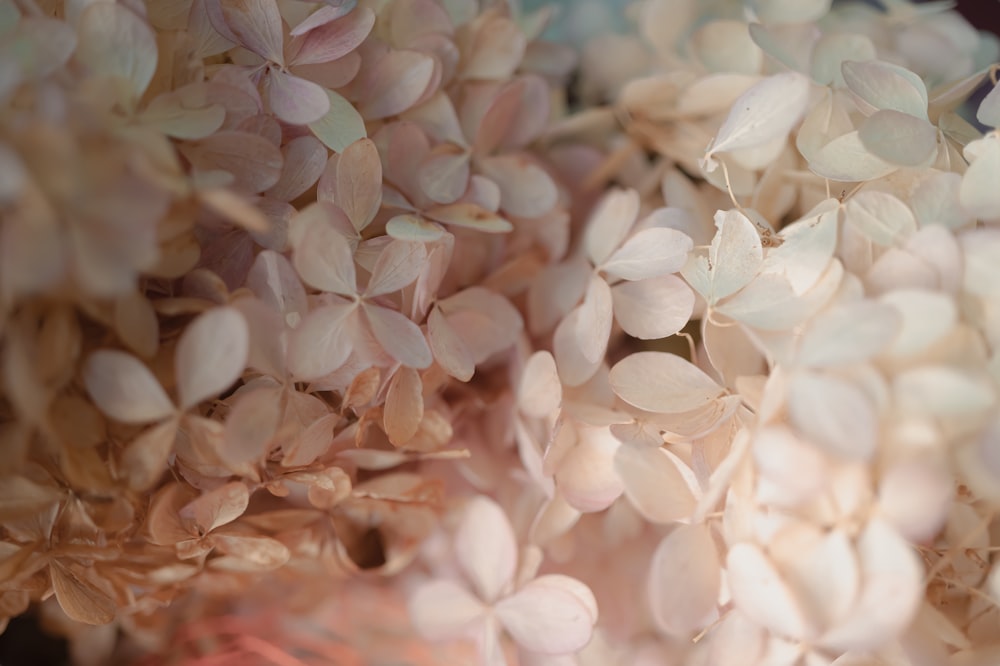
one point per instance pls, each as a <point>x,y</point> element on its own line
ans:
<point>984,14</point>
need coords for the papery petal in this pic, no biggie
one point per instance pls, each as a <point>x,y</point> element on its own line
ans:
<point>124,389</point>
<point>653,308</point>
<point>211,355</point>
<point>539,391</point>
<point>835,414</point>
<point>254,24</point>
<point>359,182</point>
<point>115,41</point>
<point>397,266</point>
<point>145,458</point>
<point>217,507</point>
<point>649,253</point>
<point>444,175</point>
<point>442,609</point>
<point>470,216</point>
<point>847,334</point>
<point>324,258</point>
<point>610,222</point>
<point>295,100</point>
<point>341,126</point>
<point>304,161</point>
<point>321,342</point>
<point>79,598</point>
<point>251,427</point>
<point>653,484</point>
<point>760,592</point>
<point>899,138</point>
<point>685,579</point>
<point>593,324</point>
<point>398,81</point>
<point>880,216</point>
<point>449,349</point>
<point>336,38</point>
<point>877,84</point>
<point>400,337</point>
<point>526,189</point>
<point>486,547</point>
<point>404,406</point>
<point>891,590</point>
<point>585,475</point>
<point>552,614</point>
<point>766,112</point>
<point>662,383</point>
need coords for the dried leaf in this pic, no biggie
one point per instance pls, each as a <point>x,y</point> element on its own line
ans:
<point>404,406</point>
<point>81,599</point>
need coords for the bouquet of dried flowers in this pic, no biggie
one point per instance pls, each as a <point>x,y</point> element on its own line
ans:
<point>387,331</point>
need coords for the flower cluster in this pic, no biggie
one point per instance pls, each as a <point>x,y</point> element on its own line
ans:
<point>305,304</point>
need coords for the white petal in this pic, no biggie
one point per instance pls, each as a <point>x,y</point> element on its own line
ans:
<point>486,546</point>
<point>848,334</point>
<point>211,355</point>
<point>653,484</point>
<point>877,84</point>
<point>684,580</point>
<point>835,414</point>
<point>880,216</point>
<point>442,609</point>
<point>653,308</point>
<point>552,615</point>
<point>760,592</point>
<point>662,383</point>
<point>124,389</point>
<point>764,113</point>
<point>539,391</point>
<point>649,253</point>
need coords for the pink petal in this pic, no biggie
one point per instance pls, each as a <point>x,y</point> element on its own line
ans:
<point>593,324</point>
<point>663,383</point>
<point>526,189</point>
<point>114,41</point>
<point>359,182</point>
<point>553,615</point>
<point>321,342</point>
<point>404,406</point>
<point>324,258</point>
<point>470,216</point>
<point>304,161</point>
<point>251,427</point>
<point>539,392</point>
<point>653,308</point>
<point>444,175</point>
<point>486,546</point>
<point>586,474</point>
<point>295,100</point>
<point>610,223</point>
<point>442,609</point>
<point>396,83</point>
<point>253,161</point>
<point>322,16</point>
<point>497,50</point>
<point>397,266</point>
<point>684,580</point>
<point>574,367</point>
<point>450,351</point>
<point>760,592</point>
<point>400,337</point>
<point>124,389</point>
<point>649,253</point>
<point>145,458</point>
<point>484,319</point>
<point>211,355</point>
<point>335,39</point>
<point>274,281</point>
<point>653,483</point>
<point>254,24</point>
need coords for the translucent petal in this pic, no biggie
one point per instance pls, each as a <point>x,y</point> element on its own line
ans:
<point>654,485</point>
<point>400,337</point>
<point>397,266</point>
<point>899,138</point>
<point>211,355</point>
<point>336,38</point>
<point>442,609</point>
<point>486,547</point>
<point>835,414</point>
<point>877,84</point>
<point>295,100</point>
<point>653,308</point>
<point>662,383</point>
<point>321,342</point>
<point>764,113</point>
<point>610,222</point>
<point>341,126</point>
<point>593,325</point>
<point>553,614</point>
<point>685,579</point>
<point>649,253</point>
<point>849,333</point>
<point>115,41</point>
<point>124,389</point>
<point>539,391</point>
<point>760,592</point>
